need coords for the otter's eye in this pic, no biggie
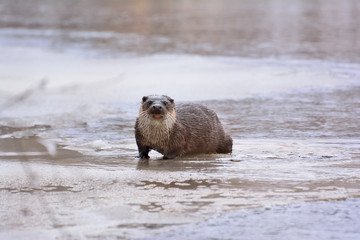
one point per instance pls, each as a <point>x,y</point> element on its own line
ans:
<point>150,102</point>
<point>165,103</point>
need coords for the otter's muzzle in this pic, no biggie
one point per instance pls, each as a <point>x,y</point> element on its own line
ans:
<point>156,111</point>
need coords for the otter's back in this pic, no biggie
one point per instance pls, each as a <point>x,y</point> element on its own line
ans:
<point>202,125</point>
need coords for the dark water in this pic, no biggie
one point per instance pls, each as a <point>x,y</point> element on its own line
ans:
<point>283,77</point>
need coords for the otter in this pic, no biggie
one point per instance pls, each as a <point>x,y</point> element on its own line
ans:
<point>173,131</point>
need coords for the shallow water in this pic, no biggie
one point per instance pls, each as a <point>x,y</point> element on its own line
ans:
<point>70,89</point>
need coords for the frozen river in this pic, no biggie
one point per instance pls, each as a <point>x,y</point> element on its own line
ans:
<point>285,85</point>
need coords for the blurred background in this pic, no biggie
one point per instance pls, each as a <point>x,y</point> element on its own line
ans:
<point>318,29</point>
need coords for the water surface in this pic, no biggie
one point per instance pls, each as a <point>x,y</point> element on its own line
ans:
<point>283,79</point>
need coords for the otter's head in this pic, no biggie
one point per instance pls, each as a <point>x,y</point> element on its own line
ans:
<point>158,107</point>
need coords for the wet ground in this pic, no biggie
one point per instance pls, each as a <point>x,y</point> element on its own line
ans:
<point>285,85</point>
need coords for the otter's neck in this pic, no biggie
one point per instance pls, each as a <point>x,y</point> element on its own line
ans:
<point>155,130</point>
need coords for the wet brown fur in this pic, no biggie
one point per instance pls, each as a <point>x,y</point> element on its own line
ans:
<point>182,130</point>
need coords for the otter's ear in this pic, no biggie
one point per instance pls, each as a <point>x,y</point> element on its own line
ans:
<point>169,98</point>
<point>145,98</point>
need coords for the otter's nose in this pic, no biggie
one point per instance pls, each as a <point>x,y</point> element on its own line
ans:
<point>157,107</point>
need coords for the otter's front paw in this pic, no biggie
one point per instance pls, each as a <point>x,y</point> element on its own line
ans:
<point>143,156</point>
